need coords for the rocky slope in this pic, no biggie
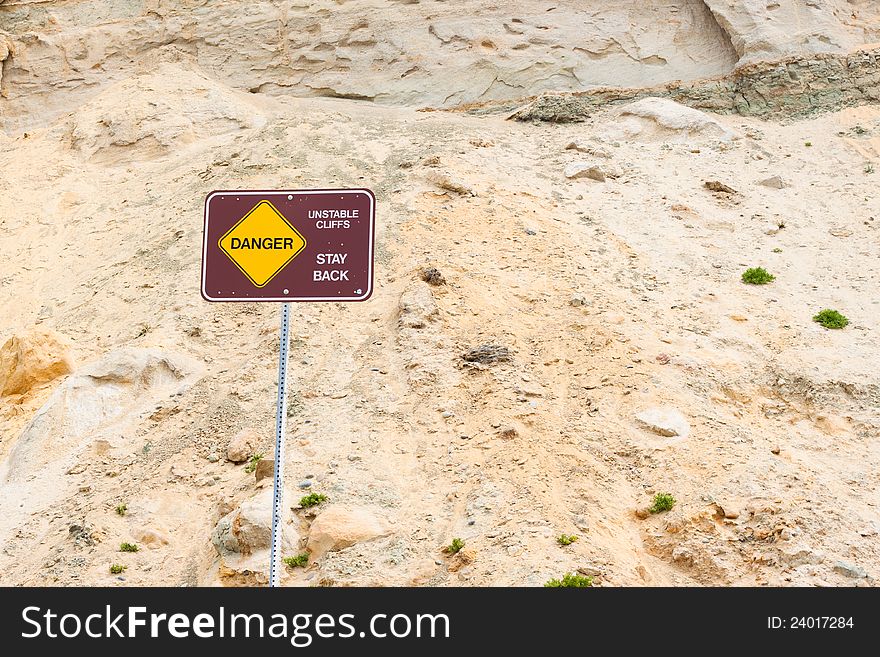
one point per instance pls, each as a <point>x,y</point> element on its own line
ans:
<point>559,330</point>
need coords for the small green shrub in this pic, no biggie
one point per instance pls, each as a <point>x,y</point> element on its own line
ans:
<point>570,581</point>
<point>117,569</point>
<point>831,319</point>
<point>128,547</point>
<point>777,250</point>
<point>312,499</point>
<point>252,463</point>
<point>299,561</point>
<point>662,502</point>
<point>454,547</point>
<point>808,144</point>
<point>869,168</point>
<point>121,509</point>
<point>566,539</point>
<point>757,276</point>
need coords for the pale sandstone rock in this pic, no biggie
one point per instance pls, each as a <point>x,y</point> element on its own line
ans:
<point>411,55</point>
<point>31,358</point>
<point>243,537</point>
<point>427,58</point>
<point>664,421</point>
<point>774,182</point>
<point>849,570</point>
<point>772,30</point>
<point>665,119</point>
<point>243,445</point>
<point>451,184</point>
<point>577,170</point>
<point>338,527</point>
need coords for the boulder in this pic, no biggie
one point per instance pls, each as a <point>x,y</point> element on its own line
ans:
<point>577,170</point>
<point>450,184</point>
<point>662,118</point>
<point>774,182</point>
<point>797,555</point>
<point>339,527</point>
<point>664,421</point>
<point>849,570</point>
<point>243,536</point>
<point>31,358</point>
<point>243,445</point>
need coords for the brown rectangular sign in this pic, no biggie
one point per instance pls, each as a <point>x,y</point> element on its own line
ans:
<point>297,245</point>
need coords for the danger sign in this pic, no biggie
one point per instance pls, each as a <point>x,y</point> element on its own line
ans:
<point>303,245</point>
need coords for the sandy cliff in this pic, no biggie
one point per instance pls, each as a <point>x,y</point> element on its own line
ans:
<point>625,356</point>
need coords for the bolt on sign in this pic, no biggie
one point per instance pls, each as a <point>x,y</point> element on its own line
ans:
<point>303,245</point>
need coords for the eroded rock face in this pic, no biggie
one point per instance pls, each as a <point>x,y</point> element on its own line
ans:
<point>31,358</point>
<point>153,121</point>
<point>406,53</point>
<point>114,388</point>
<point>795,87</point>
<point>772,30</point>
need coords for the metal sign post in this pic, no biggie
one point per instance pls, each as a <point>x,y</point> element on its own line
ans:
<point>280,427</point>
<point>287,245</point>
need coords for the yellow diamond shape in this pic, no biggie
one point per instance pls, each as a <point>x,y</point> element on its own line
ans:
<point>262,243</point>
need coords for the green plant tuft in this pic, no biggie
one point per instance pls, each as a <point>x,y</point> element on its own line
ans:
<point>831,319</point>
<point>117,568</point>
<point>757,276</point>
<point>869,168</point>
<point>121,509</point>
<point>662,502</point>
<point>566,539</point>
<point>454,547</point>
<point>808,144</point>
<point>128,547</point>
<point>299,561</point>
<point>252,463</point>
<point>312,499</point>
<point>570,581</point>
